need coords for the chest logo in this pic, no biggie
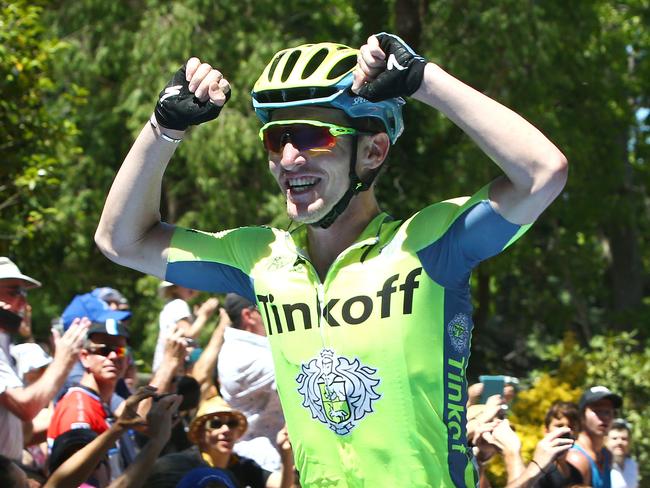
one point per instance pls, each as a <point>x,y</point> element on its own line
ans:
<point>339,392</point>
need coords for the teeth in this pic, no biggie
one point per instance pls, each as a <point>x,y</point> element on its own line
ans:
<point>304,181</point>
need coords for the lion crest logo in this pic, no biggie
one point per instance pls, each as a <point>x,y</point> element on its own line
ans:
<point>458,330</point>
<point>339,392</point>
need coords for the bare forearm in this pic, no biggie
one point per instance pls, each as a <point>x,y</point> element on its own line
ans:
<point>136,474</point>
<point>26,402</point>
<point>527,479</point>
<point>132,209</point>
<point>514,465</point>
<point>81,464</point>
<point>197,325</point>
<point>202,371</point>
<point>520,149</point>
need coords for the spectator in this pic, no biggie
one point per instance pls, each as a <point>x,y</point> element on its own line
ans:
<point>214,431</point>
<point>492,435</point>
<point>114,299</point>
<point>103,357</point>
<point>561,474</point>
<point>72,441</point>
<point>589,455</point>
<point>86,462</point>
<point>17,402</point>
<point>247,381</point>
<point>97,310</point>
<point>625,470</point>
<point>177,314</point>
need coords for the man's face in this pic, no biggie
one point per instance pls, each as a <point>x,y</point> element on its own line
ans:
<point>618,441</point>
<point>14,294</point>
<point>598,417</point>
<point>103,357</point>
<point>312,181</point>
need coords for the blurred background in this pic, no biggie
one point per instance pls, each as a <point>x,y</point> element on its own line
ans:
<point>567,307</point>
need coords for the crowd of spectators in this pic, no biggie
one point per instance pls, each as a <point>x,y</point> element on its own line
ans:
<point>72,411</point>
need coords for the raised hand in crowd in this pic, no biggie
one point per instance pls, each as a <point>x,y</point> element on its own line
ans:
<point>176,349</point>
<point>159,424</point>
<point>27,401</point>
<point>81,465</point>
<point>202,313</point>
<point>204,367</point>
<point>552,446</point>
<point>285,477</point>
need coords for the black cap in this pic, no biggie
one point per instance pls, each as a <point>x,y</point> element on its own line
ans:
<point>596,393</point>
<point>110,327</point>
<point>67,444</point>
<point>234,305</point>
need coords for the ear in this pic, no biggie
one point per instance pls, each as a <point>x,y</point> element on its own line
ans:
<point>373,150</point>
<point>83,357</point>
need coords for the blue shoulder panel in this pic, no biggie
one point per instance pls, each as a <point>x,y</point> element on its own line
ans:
<point>477,234</point>
<point>211,276</point>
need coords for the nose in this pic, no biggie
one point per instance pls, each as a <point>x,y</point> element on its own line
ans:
<point>291,157</point>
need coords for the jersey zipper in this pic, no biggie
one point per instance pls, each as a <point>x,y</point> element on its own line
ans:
<point>320,285</point>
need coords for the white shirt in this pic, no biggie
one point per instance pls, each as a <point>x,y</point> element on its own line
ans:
<point>171,313</point>
<point>626,477</point>
<point>247,381</point>
<point>11,427</point>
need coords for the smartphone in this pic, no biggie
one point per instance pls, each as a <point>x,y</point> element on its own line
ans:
<point>492,385</point>
<point>495,384</point>
<point>10,320</point>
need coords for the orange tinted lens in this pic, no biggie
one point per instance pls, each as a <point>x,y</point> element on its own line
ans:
<point>302,136</point>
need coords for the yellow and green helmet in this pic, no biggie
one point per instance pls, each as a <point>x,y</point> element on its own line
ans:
<point>320,75</point>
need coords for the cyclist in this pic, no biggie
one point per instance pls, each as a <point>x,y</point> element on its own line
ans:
<point>369,318</point>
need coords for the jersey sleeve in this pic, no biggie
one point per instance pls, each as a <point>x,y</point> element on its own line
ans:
<point>453,237</point>
<point>219,262</point>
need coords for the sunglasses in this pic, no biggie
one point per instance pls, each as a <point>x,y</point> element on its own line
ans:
<point>104,350</point>
<point>304,135</point>
<point>216,423</point>
<point>15,291</point>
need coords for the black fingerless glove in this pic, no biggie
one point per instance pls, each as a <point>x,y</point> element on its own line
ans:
<point>404,71</point>
<point>178,108</point>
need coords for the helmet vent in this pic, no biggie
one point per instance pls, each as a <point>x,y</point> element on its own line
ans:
<point>274,65</point>
<point>342,67</point>
<point>288,67</point>
<point>314,63</point>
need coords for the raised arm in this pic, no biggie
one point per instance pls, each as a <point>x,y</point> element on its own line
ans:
<point>130,231</point>
<point>535,171</point>
<point>26,402</point>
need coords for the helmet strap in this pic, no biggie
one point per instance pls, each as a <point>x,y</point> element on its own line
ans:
<point>356,186</point>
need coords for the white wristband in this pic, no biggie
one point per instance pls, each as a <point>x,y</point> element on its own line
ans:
<point>154,124</point>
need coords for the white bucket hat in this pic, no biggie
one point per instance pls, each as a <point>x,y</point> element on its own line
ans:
<point>9,270</point>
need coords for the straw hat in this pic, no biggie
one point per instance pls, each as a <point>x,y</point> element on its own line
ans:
<point>210,408</point>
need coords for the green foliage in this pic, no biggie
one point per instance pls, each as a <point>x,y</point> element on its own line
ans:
<point>37,126</point>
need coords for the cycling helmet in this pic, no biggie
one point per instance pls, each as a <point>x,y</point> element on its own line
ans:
<point>320,74</point>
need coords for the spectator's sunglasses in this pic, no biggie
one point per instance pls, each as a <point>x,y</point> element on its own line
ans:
<point>304,135</point>
<point>15,291</point>
<point>217,422</point>
<point>104,350</point>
